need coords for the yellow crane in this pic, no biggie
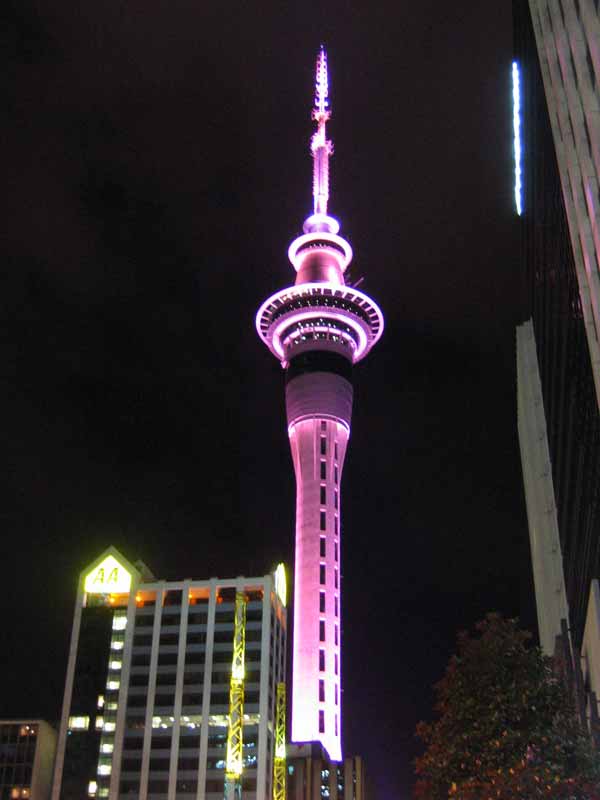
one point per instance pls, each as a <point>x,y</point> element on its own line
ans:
<point>279,760</point>
<point>234,763</point>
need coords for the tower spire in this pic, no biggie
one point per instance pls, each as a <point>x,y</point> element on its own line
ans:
<point>321,148</point>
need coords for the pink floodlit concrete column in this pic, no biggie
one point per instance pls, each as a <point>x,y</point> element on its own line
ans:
<point>319,328</point>
<point>319,408</point>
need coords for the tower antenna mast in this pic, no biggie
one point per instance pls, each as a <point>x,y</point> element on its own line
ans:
<point>321,147</point>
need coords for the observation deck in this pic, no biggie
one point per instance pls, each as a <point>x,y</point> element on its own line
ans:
<point>319,316</point>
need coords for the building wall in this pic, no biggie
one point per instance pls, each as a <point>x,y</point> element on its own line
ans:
<point>27,750</point>
<point>313,776</point>
<point>159,703</point>
<point>546,555</point>
<point>556,49</point>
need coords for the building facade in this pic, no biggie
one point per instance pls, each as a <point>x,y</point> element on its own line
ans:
<point>557,75</point>
<point>318,329</point>
<point>148,711</point>
<point>313,776</point>
<point>27,749</point>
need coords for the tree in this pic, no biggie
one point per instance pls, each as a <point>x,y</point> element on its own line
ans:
<point>505,727</point>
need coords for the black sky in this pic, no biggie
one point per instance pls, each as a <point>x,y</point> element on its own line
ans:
<point>156,168</point>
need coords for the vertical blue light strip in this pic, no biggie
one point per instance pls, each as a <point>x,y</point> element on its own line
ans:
<point>517,134</point>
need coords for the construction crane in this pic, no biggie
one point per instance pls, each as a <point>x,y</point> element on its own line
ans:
<point>234,763</point>
<point>279,760</point>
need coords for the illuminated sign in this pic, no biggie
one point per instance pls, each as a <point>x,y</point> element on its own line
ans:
<point>107,578</point>
<point>281,583</point>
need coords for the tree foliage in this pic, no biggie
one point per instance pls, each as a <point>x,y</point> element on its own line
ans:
<point>505,727</point>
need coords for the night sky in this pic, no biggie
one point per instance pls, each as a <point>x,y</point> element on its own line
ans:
<point>156,168</point>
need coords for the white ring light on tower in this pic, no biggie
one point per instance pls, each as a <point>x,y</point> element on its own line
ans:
<point>321,222</point>
<point>318,238</point>
<point>289,319</point>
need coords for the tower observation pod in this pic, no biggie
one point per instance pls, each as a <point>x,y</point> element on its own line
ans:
<point>318,329</point>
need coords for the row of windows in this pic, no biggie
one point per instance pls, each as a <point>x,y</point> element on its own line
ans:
<point>188,741</point>
<point>322,604</point>
<point>322,722</point>
<point>323,548</point>
<point>323,496</point>
<point>322,692</point>
<point>188,699</point>
<point>195,637</point>
<point>144,617</point>
<point>197,657</point>
<point>324,472</point>
<point>190,678</point>
<point>322,632</point>
<point>183,786</point>
<point>322,576</point>
<point>322,662</point>
<point>323,520</point>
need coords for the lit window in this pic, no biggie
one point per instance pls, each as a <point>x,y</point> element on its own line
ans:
<point>322,547</point>
<point>92,788</point>
<point>99,723</point>
<point>79,723</point>
<point>321,691</point>
<point>322,630</point>
<point>104,769</point>
<point>119,622</point>
<point>117,645</point>
<point>322,660</point>
<point>113,685</point>
<point>322,574</point>
<point>108,747</point>
<point>321,721</point>
<point>103,791</point>
<point>116,664</point>
<point>100,703</point>
<point>323,521</point>
<point>109,727</point>
<point>322,602</point>
<point>112,706</point>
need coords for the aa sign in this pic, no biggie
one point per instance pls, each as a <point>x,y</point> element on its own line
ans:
<point>107,578</point>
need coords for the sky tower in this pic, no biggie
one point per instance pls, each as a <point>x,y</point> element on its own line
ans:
<point>318,328</point>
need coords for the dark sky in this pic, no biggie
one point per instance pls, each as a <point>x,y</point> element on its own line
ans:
<point>156,167</point>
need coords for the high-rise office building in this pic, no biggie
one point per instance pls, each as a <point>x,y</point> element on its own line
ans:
<point>171,686</point>
<point>27,748</point>
<point>318,329</point>
<point>556,77</point>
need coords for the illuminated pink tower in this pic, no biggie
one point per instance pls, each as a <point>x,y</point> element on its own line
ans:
<point>318,328</point>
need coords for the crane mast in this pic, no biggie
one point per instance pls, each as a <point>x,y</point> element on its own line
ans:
<point>279,760</point>
<point>234,762</point>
